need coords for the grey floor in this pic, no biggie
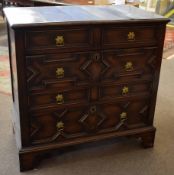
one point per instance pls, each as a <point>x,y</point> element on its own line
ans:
<point>114,157</point>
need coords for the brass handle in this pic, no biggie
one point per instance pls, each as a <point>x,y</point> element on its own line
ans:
<point>59,99</point>
<point>128,66</point>
<point>123,116</point>
<point>59,41</point>
<point>60,72</point>
<point>60,126</point>
<point>125,90</point>
<point>131,36</point>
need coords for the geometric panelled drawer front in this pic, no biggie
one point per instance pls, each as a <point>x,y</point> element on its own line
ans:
<point>78,69</point>
<point>67,123</point>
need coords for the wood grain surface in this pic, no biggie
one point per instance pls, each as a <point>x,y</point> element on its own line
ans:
<point>77,14</point>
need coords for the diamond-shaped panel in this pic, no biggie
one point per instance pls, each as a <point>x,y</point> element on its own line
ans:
<point>94,68</point>
<point>92,119</point>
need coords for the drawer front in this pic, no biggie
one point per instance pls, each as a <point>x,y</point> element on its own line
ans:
<point>75,69</point>
<point>125,90</point>
<point>130,64</point>
<point>59,40</point>
<point>86,121</point>
<point>54,98</point>
<point>129,36</point>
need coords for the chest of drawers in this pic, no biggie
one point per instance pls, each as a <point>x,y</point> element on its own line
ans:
<point>82,74</point>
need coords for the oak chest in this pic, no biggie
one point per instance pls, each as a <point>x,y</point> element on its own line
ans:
<point>81,74</point>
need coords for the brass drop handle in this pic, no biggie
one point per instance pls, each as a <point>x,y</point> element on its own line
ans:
<point>59,99</point>
<point>125,90</point>
<point>60,72</point>
<point>59,41</point>
<point>60,126</point>
<point>128,66</point>
<point>131,36</point>
<point>123,116</point>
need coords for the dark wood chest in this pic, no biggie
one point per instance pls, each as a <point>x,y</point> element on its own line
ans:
<point>82,74</point>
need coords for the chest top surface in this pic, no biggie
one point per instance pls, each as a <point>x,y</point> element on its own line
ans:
<point>68,15</point>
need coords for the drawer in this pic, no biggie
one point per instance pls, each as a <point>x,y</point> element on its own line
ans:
<point>86,121</point>
<point>129,36</point>
<point>54,98</point>
<point>130,64</point>
<point>125,90</point>
<point>63,70</point>
<point>59,40</point>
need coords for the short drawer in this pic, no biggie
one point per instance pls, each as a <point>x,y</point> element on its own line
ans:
<point>59,40</point>
<point>55,98</point>
<point>129,36</point>
<point>65,124</point>
<point>125,90</point>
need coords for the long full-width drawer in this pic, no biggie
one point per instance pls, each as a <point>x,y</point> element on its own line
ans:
<point>87,120</point>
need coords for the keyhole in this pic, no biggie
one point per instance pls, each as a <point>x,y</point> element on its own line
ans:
<point>93,109</point>
<point>96,57</point>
